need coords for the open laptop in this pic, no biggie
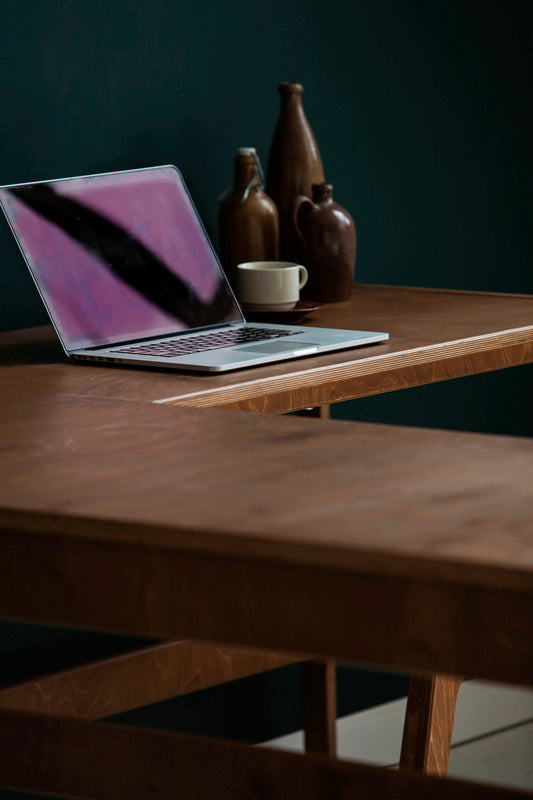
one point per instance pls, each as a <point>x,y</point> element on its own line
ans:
<point>128,275</point>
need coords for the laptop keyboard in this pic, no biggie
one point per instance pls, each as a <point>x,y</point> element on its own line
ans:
<point>204,341</point>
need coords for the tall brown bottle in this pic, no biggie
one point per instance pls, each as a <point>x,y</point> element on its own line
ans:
<point>294,164</point>
<point>248,227</point>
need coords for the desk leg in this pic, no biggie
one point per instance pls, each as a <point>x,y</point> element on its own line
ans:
<point>319,702</point>
<point>427,734</point>
<point>319,693</point>
<point>319,412</point>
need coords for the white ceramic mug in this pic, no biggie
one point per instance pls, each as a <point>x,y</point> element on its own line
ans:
<point>270,285</point>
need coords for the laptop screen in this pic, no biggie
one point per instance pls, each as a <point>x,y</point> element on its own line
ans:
<point>120,256</point>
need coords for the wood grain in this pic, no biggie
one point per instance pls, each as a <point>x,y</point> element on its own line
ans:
<point>427,735</point>
<point>163,521</point>
<point>438,625</point>
<point>111,686</point>
<point>434,335</point>
<point>322,383</point>
<point>358,496</point>
<point>102,761</point>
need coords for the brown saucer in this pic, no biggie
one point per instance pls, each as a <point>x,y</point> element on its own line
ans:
<point>283,316</point>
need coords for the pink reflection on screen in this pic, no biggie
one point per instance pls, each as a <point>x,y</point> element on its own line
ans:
<point>90,304</point>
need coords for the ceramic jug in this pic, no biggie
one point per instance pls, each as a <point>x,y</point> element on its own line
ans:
<point>248,227</point>
<point>326,233</point>
<point>294,164</point>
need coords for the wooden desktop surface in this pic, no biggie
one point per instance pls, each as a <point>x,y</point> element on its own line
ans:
<point>434,336</point>
<point>379,544</point>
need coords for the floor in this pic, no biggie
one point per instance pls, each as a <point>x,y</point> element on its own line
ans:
<point>492,737</point>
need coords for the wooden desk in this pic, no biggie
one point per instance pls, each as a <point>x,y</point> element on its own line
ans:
<point>434,336</point>
<point>309,559</point>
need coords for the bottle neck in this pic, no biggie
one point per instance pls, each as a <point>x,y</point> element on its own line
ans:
<point>247,175</point>
<point>291,105</point>
<point>291,98</point>
<point>322,193</point>
<point>247,172</point>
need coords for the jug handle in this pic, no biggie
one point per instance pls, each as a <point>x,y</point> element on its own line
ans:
<point>301,202</point>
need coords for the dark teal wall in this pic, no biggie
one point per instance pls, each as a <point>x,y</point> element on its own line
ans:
<point>421,109</point>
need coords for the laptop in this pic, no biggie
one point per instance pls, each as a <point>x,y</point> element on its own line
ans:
<point>126,271</point>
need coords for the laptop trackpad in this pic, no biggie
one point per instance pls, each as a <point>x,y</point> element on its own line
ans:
<point>280,347</point>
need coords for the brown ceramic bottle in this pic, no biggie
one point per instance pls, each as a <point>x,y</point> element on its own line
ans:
<point>327,245</point>
<point>294,164</point>
<point>248,228</point>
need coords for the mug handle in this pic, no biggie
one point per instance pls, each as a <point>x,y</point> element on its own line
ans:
<point>303,276</point>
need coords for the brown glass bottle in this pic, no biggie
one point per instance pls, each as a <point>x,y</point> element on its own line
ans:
<point>327,245</point>
<point>294,164</point>
<point>248,227</point>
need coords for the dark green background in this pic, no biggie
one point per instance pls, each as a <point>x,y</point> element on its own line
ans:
<point>421,110</point>
<point>422,113</point>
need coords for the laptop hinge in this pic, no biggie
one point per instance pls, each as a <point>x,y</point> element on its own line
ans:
<point>175,335</point>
